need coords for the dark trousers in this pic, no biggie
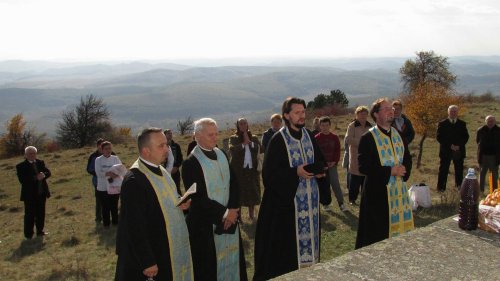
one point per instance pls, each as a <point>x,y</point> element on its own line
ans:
<point>109,204</point>
<point>488,163</point>
<point>354,185</point>
<point>98,207</point>
<point>34,215</point>
<point>177,179</point>
<point>444,167</point>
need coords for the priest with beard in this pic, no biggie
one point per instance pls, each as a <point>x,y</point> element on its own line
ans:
<point>385,209</point>
<point>288,232</point>
<point>152,239</point>
<point>212,221</point>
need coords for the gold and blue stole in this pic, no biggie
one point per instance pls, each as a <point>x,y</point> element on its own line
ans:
<point>391,153</point>
<point>306,199</point>
<point>227,246</point>
<point>175,224</point>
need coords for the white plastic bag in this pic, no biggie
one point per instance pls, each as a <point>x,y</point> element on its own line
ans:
<point>420,195</point>
<point>413,200</point>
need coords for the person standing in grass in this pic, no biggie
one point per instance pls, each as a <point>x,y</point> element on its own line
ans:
<point>385,209</point>
<point>33,174</point>
<point>245,149</point>
<point>287,236</point>
<point>109,201</point>
<point>355,130</point>
<point>329,144</point>
<point>214,232</point>
<point>452,136</point>
<point>91,170</point>
<point>152,240</point>
<point>488,150</point>
<point>276,124</point>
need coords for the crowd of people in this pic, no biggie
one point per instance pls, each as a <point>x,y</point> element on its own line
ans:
<point>163,236</point>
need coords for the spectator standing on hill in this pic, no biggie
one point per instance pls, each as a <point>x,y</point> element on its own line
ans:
<point>405,130</point>
<point>177,155</point>
<point>33,174</point>
<point>452,136</point>
<point>245,149</point>
<point>315,126</point>
<point>91,170</point>
<point>385,209</point>
<point>152,238</point>
<point>488,150</point>
<point>402,123</point>
<point>191,145</point>
<point>214,232</point>
<point>276,123</point>
<point>345,164</point>
<point>287,235</point>
<point>355,130</point>
<point>329,144</point>
<point>105,179</point>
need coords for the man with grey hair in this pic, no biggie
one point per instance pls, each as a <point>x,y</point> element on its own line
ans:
<point>212,220</point>
<point>32,174</point>
<point>488,150</point>
<point>452,136</point>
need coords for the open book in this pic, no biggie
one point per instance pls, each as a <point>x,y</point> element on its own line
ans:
<point>185,197</point>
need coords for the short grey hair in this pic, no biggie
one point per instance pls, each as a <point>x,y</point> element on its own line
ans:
<point>30,148</point>
<point>452,107</point>
<point>488,117</point>
<point>202,123</point>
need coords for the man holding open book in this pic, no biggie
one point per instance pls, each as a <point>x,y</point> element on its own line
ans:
<point>152,239</point>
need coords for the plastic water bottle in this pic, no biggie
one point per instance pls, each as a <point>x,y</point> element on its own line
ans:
<point>469,202</point>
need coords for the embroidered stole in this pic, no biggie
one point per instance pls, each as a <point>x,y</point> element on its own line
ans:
<point>306,199</point>
<point>175,224</point>
<point>391,153</point>
<point>227,246</point>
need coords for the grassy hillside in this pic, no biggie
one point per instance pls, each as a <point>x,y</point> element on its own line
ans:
<point>78,249</point>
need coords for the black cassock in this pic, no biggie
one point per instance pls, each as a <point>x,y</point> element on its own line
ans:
<point>203,215</point>
<point>275,237</point>
<point>374,207</point>
<point>141,239</point>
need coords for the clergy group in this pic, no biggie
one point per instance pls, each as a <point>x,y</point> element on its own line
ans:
<point>163,236</point>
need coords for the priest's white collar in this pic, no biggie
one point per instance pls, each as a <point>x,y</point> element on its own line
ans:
<point>149,163</point>
<point>205,148</point>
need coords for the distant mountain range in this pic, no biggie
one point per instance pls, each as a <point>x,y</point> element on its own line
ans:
<point>159,93</point>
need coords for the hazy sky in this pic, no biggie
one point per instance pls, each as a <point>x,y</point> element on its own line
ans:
<point>164,29</point>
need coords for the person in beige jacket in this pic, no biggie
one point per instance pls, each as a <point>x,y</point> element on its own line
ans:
<point>355,130</point>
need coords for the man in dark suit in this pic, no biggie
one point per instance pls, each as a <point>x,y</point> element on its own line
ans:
<point>405,130</point>
<point>32,175</point>
<point>452,136</point>
<point>176,151</point>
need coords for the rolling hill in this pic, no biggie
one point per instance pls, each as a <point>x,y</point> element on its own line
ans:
<point>146,93</point>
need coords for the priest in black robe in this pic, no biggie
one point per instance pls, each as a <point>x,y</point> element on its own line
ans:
<point>277,248</point>
<point>377,220</point>
<point>152,237</point>
<point>216,244</point>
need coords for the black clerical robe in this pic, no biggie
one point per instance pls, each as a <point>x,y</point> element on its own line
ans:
<point>374,207</point>
<point>141,239</point>
<point>275,238</point>
<point>203,215</point>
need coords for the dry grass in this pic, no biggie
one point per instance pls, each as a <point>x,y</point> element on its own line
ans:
<point>78,249</point>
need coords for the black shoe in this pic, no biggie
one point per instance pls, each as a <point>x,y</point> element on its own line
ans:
<point>353,203</point>
<point>41,233</point>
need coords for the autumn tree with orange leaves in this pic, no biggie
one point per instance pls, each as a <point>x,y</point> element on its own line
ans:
<point>426,105</point>
<point>17,137</point>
